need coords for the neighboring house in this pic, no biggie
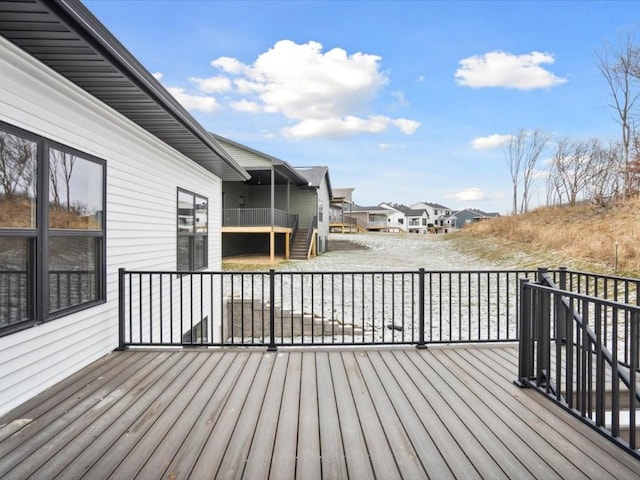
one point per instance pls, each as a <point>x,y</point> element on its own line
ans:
<point>373,219</point>
<point>407,219</point>
<point>275,211</point>
<point>340,218</point>
<point>318,205</point>
<point>107,171</point>
<point>437,215</point>
<point>467,216</point>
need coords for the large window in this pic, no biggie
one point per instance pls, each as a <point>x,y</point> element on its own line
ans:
<point>51,229</point>
<point>193,231</point>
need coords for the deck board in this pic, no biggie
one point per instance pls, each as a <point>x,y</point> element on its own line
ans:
<point>444,412</point>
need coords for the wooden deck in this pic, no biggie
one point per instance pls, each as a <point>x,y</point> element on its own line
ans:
<point>445,412</point>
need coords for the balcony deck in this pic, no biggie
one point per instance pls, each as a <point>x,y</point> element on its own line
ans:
<point>444,412</point>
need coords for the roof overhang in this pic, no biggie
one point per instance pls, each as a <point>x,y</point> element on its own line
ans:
<point>65,36</point>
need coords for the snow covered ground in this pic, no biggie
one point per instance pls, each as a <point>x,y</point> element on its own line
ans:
<point>366,290</point>
<point>389,251</point>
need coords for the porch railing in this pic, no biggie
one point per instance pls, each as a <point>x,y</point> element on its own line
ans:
<point>582,350</point>
<point>257,217</point>
<point>321,308</point>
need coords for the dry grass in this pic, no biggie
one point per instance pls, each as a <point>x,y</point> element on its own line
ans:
<point>582,236</point>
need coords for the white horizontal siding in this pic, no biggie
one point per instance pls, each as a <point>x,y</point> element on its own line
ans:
<point>143,174</point>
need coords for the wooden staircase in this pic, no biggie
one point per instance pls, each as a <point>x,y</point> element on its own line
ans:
<point>299,248</point>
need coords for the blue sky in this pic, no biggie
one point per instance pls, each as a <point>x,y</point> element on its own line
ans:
<point>403,101</point>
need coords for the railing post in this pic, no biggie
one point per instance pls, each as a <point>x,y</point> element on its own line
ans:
<point>525,364</point>
<point>543,338</point>
<point>561,319</point>
<point>121,308</point>
<point>272,312</point>
<point>421,318</point>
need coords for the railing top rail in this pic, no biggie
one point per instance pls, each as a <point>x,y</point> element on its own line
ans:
<point>581,296</point>
<point>597,275</point>
<point>330,272</point>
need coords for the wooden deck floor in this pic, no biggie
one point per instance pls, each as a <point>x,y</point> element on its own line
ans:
<point>439,413</point>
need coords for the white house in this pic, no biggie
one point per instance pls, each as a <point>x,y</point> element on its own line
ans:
<point>104,170</point>
<point>437,215</point>
<point>406,219</point>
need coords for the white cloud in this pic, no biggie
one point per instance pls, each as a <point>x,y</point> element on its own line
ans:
<point>217,84</point>
<point>400,100</point>
<point>194,102</point>
<point>323,93</point>
<point>228,65</point>
<point>245,106</point>
<point>408,127</point>
<point>468,195</point>
<point>337,127</point>
<point>501,69</point>
<point>386,146</point>
<point>492,141</point>
<point>157,76</point>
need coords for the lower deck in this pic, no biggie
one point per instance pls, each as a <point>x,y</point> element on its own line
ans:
<point>443,412</point>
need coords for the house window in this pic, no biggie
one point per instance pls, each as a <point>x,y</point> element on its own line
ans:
<point>320,211</point>
<point>52,230</point>
<point>193,231</point>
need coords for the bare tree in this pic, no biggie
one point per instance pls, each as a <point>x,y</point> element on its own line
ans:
<point>17,164</point>
<point>522,154</point>
<point>60,171</point>
<point>584,170</point>
<point>620,68</point>
<point>607,171</point>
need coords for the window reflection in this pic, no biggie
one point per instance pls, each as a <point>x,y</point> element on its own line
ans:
<point>185,212</point>
<point>14,280</point>
<point>75,192</point>
<point>202,220</point>
<point>72,271</point>
<point>18,178</point>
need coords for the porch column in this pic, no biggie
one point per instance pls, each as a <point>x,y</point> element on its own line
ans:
<point>273,201</point>
<point>286,245</point>
<point>272,245</point>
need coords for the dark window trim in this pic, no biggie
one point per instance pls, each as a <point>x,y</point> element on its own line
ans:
<point>38,296</point>
<point>192,236</point>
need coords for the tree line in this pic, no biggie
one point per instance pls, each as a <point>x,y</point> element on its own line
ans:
<point>586,170</point>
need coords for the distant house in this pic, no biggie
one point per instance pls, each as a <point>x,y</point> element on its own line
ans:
<point>106,171</point>
<point>276,211</point>
<point>317,205</point>
<point>341,219</point>
<point>461,218</point>
<point>437,214</point>
<point>407,219</point>
<point>372,218</point>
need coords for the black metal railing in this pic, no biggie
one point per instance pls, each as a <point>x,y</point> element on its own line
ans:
<point>257,217</point>
<point>321,308</point>
<point>583,352</point>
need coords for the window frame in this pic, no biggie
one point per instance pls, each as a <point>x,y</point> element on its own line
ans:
<point>37,239</point>
<point>192,236</point>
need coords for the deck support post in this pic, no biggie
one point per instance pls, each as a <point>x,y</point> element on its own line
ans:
<point>272,312</point>
<point>421,319</point>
